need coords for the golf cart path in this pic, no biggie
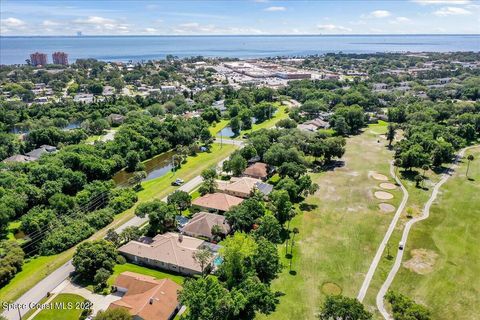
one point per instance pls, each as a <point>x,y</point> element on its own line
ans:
<point>383,244</point>
<point>425,214</point>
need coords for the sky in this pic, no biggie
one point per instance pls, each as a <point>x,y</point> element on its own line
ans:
<point>238,17</point>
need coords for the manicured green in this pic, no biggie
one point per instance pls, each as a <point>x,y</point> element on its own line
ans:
<point>71,310</point>
<point>218,127</point>
<point>119,268</point>
<point>38,268</point>
<point>452,232</point>
<point>339,236</point>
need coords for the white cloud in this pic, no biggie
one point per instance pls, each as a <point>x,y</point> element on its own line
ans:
<point>12,22</point>
<point>274,9</point>
<point>103,25</point>
<point>380,14</point>
<point>399,20</point>
<point>333,28</point>
<point>451,11</point>
<point>49,23</point>
<point>428,2</point>
<point>197,28</point>
<point>151,30</point>
<point>95,20</point>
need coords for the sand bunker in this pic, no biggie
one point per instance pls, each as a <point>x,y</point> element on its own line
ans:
<point>422,261</point>
<point>382,195</point>
<point>386,207</point>
<point>331,288</point>
<point>379,176</point>
<point>387,185</point>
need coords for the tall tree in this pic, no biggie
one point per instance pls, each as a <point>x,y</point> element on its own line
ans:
<point>343,308</point>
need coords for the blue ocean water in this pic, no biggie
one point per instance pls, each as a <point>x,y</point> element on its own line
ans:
<point>15,50</point>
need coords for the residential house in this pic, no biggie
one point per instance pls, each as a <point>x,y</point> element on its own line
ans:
<point>319,123</point>
<point>108,91</point>
<point>243,187</point>
<point>258,170</point>
<point>37,153</point>
<point>220,105</point>
<point>202,223</point>
<point>217,202</point>
<point>83,97</point>
<point>116,119</point>
<point>20,158</point>
<point>145,297</point>
<point>169,251</point>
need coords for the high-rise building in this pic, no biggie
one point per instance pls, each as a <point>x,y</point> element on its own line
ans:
<point>60,58</point>
<point>38,59</point>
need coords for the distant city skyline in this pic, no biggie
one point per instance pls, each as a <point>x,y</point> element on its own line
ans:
<point>248,17</point>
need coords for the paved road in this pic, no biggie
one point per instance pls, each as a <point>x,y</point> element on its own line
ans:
<point>408,226</point>
<point>239,143</point>
<point>56,278</point>
<point>383,244</point>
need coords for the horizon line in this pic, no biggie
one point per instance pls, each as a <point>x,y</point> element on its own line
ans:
<point>244,35</point>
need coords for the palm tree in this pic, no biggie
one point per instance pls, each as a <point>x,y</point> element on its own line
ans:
<point>203,257</point>
<point>470,158</point>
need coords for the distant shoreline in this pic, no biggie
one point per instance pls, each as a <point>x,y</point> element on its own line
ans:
<point>249,35</point>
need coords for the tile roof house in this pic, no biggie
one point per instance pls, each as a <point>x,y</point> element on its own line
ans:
<point>18,158</point>
<point>145,297</point>
<point>169,251</point>
<point>217,201</point>
<point>258,170</point>
<point>242,187</point>
<point>35,154</point>
<point>202,223</point>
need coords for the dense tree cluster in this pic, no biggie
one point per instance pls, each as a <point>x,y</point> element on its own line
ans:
<point>242,288</point>
<point>64,197</point>
<point>433,131</point>
<point>405,308</point>
<point>11,260</point>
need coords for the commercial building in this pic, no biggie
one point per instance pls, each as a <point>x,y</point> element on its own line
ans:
<point>38,59</point>
<point>60,58</point>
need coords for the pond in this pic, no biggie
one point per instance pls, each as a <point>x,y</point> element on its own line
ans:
<point>19,129</point>
<point>155,167</point>
<point>227,131</point>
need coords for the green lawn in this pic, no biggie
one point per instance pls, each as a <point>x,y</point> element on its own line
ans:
<point>340,234</point>
<point>119,268</point>
<point>70,309</point>
<point>36,269</point>
<point>451,290</point>
<point>218,127</point>
<point>279,115</point>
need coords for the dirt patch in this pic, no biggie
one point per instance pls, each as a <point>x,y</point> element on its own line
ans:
<point>388,186</point>
<point>386,207</point>
<point>382,195</point>
<point>330,288</point>
<point>379,176</point>
<point>422,261</point>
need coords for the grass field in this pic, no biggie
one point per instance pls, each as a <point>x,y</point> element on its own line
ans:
<point>281,114</point>
<point>70,311</point>
<point>450,287</point>
<point>36,269</point>
<point>340,234</point>
<point>119,268</point>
